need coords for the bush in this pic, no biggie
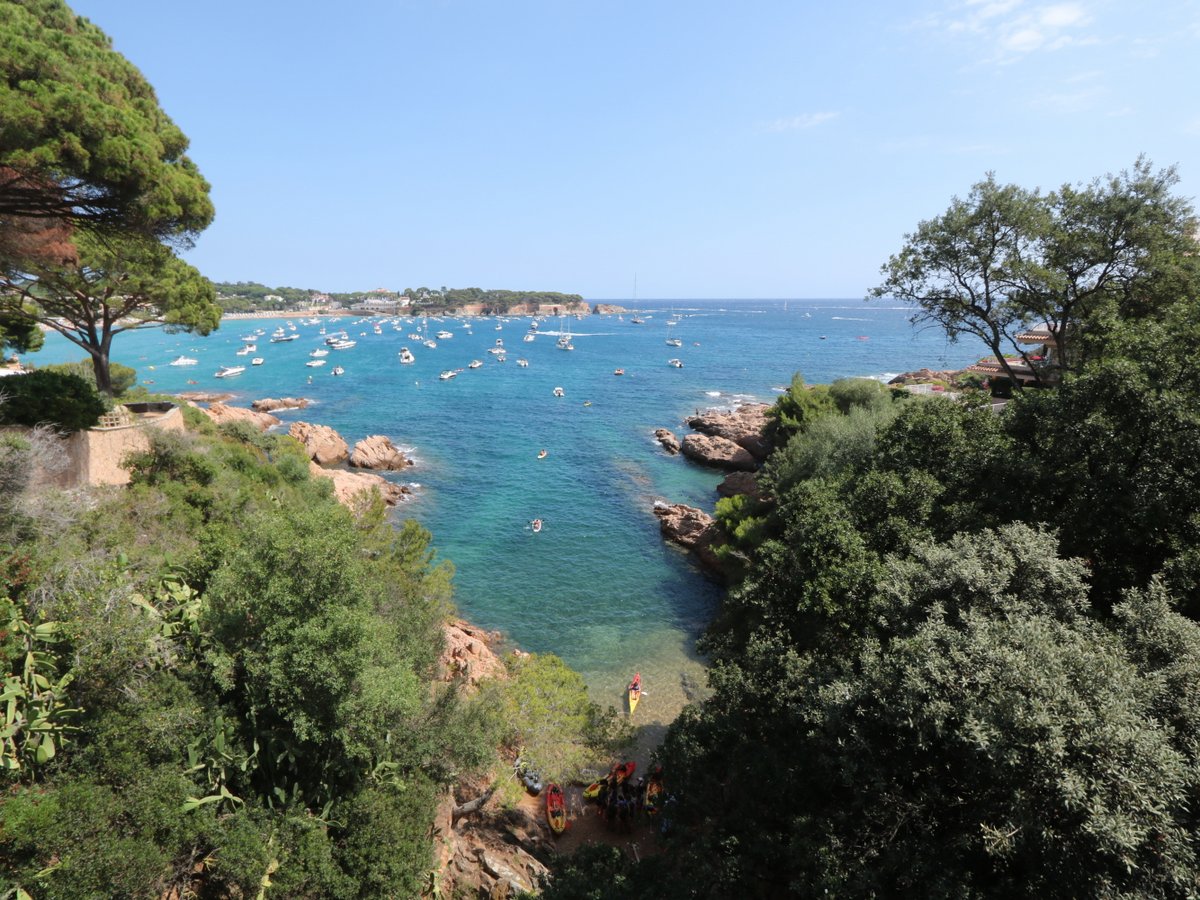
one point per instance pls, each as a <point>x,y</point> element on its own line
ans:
<point>64,401</point>
<point>122,377</point>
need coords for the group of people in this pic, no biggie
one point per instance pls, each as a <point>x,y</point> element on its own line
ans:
<point>620,801</point>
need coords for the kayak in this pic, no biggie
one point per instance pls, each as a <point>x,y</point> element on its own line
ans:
<point>556,808</point>
<point>592,791</point>
<point>622,772</point>
<point>635,692</point>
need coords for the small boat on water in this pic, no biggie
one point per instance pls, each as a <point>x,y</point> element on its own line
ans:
<point>313,363</point>
<point>523,363</point>
<point>556,808</point>
<point>284,338</point>
<point>529,338</point>
<point>445,335</point>
<point>635,691</point>
<point>674,342</point>
<point>677,363</point>
<point>618,371</point>
<point>406,356</point>
<point>247,350</point>
<point>447,375</point>
<point>318,353</point>
<point>559,392</point>
<point>542,454</point>
<point>344,345</point>
<point>431,344</point>
<point>257,361</point>
<point>183,361</point>
<point>636,321</point>
<point>475,364</point>
<point>338,370</point>
<point>536,525</point>
<point>229,371</point>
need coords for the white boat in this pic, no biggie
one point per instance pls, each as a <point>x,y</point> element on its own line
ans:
<point>229,371</point>
<point>474,364</point>
<point>284,338</point>
<point>183,361</point>
<point>313,363</point>
<point>674,342</point>
<point>528,338</point>
<point>249,338</point>
<point>445,335</point>
<point>636,321</point>
<point>415,337</point>
<point>338,370</point>
<point>523,363</point>
<point>447,375</point>
<point>496,351</point>
<point>677,363</point>
<point>247,350</point>
<point>406,356</point>
<point>344,345</point>
<point>559,392</point>
<point>431,344</point>
<point>318,353</point>
<point>257,361</point>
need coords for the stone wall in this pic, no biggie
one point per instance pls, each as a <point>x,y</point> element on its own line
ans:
<point>96,454</point>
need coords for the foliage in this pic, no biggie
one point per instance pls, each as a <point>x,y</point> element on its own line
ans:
<point>122,377</point>
<point>115,284</point>
<point>560,730</point>
<point>1007,258</point>
<point>82,137</point>
<point>797,408</point>
<point>19,333</point>
<point>63,401</point>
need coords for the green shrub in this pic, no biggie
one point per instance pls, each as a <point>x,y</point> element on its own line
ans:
<point>122,377</point>
<point>64,401</point>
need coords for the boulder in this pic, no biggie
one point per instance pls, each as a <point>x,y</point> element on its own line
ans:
<point>323,444</point>
<point>271,404</point>
<point>692,529</point>
<point>347,486</point>
<point>498,868</point>
<point>194,397</point>
<point>220,413</point>
<point>667,438</point>
<point>377,452</point>
<point>718,451</point>
<point>927,376</point>
<point>740,483</point>
<point>745,426</point>
<point>608,309</point>
<point>468,654</point>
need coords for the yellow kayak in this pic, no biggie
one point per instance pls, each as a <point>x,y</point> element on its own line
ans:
<point>635,692</point>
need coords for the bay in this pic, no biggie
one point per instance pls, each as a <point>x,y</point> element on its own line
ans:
<point>597,585</point>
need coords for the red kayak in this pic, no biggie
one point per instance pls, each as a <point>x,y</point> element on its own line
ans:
<point>622,772</point>
<point>556,808</point>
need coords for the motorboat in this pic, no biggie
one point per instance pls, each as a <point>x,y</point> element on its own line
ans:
<point>338,370</point>
<point>496,351</point>
<point>249,338</point>
<point>474,364</point>
<point>344,345</point>
<point>536,525</point>
<point>257,361</point>
<point>499,342</point>
<point>542,454</point>
<point>523,363</point>
<point>637,321</point>
<point>445,335</point>
<point>183,361</point>
<point>618,371</point>
<point>247,350</point>
<point>677,363</point>
<point>229,371</point>
<point>674,342</point>
<point>284,338</point>
<point>559,392</point>
<point>318,353</point>
<point>529,338</point>
<point>406,356</point>
<point>313,363</point>
<point>431,344</point>
<point>447,375</point>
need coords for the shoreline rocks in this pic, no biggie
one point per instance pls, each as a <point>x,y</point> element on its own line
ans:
<point>347,486</point>
<point>322,443</point>
<point>378,452</point>
<point>220,413</point>
<point>926,376</point>
<point>718,451</point>
<point>736,483</point>
<point>692,529</point>
<point>608,309</point>
<point>667,438</point>
<point>745,426</point>
<point>273,405</point>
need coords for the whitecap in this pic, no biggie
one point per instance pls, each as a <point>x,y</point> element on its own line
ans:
<point>712,393</point>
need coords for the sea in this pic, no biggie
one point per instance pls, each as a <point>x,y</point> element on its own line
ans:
<point>596,585</point>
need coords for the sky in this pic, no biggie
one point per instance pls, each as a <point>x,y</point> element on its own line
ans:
<point>758,149</point>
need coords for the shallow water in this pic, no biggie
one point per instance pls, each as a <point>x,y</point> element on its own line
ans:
<point>597,585</point>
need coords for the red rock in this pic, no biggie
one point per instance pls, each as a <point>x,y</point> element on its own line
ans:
<point>271,405</point>
<point>377,452</point>
<point>740,483</point>
<point>324,445</point>
<point>667,439</point>
<point>745,426</point>
<point>220,413</point>
<point>347,486</point>
<point>718,451</point>
<point>692,529</point>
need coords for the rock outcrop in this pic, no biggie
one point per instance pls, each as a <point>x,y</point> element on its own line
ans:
<point>740,483</point>
<point>667,438</point>
<point>608,309</point>
<point>204,396</point>
<point>468,654</point>
<point>221,413</point>
<point>692,529</point>
<point>927,376</point>
<point>272,404</point>
<point>377,452</point>
<point>745,426</point>
<point>718,451</point>
<point>323,444</point>
<point>348,486</point>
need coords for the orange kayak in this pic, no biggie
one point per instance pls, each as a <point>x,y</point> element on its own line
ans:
<point>556,808</point>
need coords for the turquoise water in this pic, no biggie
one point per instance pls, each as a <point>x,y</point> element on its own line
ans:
<point>597,585</point>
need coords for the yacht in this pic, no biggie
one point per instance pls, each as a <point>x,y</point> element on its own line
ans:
<point>523,363</point>
<point>183,361</point>
<point>406,356</point>
<point>344,345</point>
<point>229,371</point>
<point>318,353</point>
<point>313,363</point>
<point>636,321</point>
<point>528,338</point>
<point>338,370</point>
<point>445,335</point>
<point>447,375</point>
<point>474,364</point>
<point>284,338</point>
<point>257,361</point>
<point>674,342</point>
<point>431,344</point>
<point>247,350</point>
<point>677,363</point>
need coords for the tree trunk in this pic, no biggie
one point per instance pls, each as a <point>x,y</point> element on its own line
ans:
<point>100,368</point>
<point>472,805</point>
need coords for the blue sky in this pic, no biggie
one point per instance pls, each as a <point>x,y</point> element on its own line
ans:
<point>758,149</point>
